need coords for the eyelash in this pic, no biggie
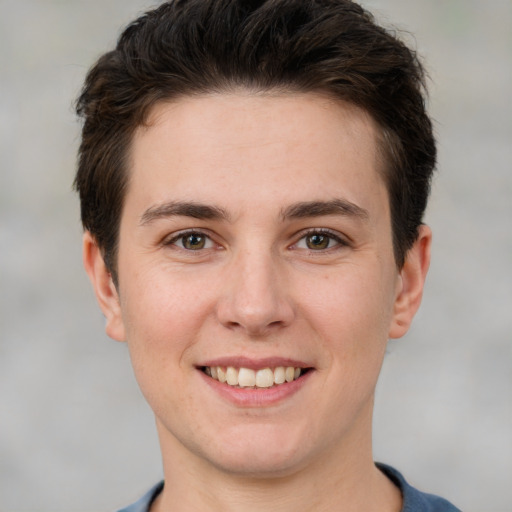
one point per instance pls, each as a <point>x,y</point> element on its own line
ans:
<point>184,234</point>
<point>331,235</point>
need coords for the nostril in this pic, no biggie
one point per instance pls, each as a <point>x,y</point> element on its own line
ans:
<point>254,303</point>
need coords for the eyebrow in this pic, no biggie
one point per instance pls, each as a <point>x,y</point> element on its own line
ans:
<point>321,208</point>
<point>295,211</point>
<point>184,209</point>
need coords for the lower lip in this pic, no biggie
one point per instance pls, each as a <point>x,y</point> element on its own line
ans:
<point>257,397</point>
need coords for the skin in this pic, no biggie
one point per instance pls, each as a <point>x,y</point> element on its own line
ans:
<point>259,288</point>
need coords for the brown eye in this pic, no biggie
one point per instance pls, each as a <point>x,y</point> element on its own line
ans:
<point>193,241</point>
<point>190,241</point>
<point>317,241</point>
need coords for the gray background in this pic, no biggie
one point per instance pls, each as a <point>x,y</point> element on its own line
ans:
<point>75,434</point>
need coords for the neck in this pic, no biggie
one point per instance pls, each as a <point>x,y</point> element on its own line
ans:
<point>339,480</point>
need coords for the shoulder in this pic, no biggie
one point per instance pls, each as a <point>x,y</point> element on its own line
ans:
<point>143,504</point>
<point>414,500</point>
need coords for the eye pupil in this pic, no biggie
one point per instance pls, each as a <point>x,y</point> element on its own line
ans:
<point>194,241</point>
<point>317,241</point>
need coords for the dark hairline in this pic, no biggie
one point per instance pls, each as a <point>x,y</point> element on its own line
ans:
<point>148,118</point>
<point>180,49</point>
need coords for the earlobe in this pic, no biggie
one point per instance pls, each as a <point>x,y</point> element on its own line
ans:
<point>104,288</point>
<point>411,282</point>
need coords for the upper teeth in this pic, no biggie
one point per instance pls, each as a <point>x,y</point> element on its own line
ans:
<point>248,378</point>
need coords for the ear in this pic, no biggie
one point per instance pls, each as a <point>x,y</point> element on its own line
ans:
<point>104,288</point>
<point>411,281</point>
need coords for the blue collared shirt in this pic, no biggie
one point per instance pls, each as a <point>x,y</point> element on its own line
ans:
<point>413,500</point>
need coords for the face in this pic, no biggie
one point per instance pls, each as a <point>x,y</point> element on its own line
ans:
<point>255,246</point>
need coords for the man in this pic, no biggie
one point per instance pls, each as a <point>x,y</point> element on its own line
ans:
<point>253,177</point>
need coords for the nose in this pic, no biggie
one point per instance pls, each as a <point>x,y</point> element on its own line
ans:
<point>255,297</point>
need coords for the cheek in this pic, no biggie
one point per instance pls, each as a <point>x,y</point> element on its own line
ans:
<point>354,300</point>
<point>351,312</point>
<point>161,329</point>
<point>162,319</point>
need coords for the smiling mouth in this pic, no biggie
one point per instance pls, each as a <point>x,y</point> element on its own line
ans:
<point>249,378</point>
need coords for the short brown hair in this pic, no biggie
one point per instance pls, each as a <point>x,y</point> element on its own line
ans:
<point>188,47</point>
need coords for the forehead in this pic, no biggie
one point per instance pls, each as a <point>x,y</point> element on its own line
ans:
<point>257,117</point>
<point>241,145</point>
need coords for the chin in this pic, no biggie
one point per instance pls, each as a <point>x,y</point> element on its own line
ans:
<point>260,452</point>
<point>264,466</point>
